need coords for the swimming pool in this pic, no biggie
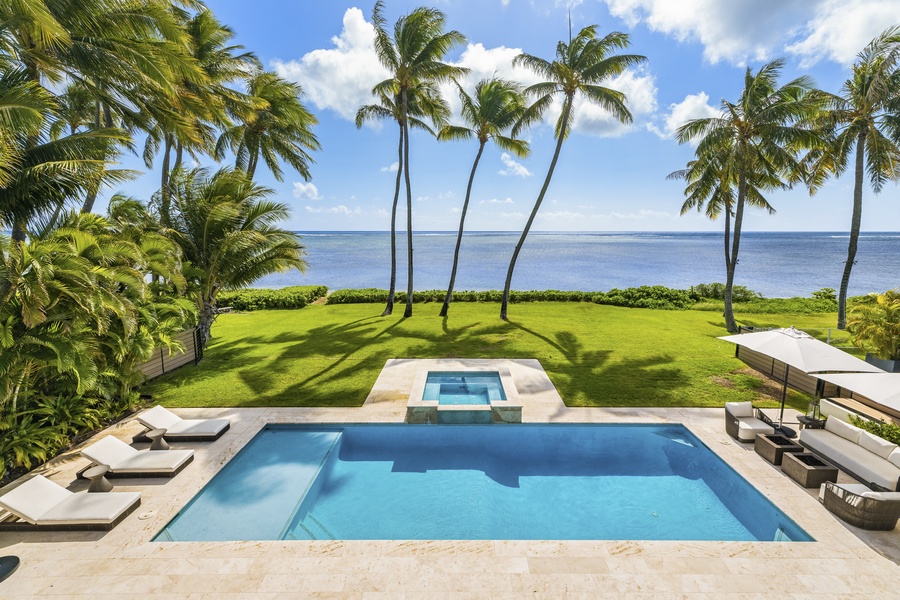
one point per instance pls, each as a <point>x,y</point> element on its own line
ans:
<point>463,387</point>
<point>562,482</point>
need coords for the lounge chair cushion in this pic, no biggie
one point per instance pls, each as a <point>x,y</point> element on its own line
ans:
<point>90,509</point>
<point>122,458</point>
<point>748,427</point>
<point>42,502</point>
<point>845,430</point>
<point>876,445</point>
<point>109,451</point>
<point>34,498</point>
<point>158,418</point>
<point>161,418</point>
<point>739,409</point>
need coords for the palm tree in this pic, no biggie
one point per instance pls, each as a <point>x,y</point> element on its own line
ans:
<point>580,68</point>
<point>281,128</point>
<point>751,147</point>
<point>186,119</point>
<point>412,56</point>
<point>227,232</point>
<point>864,116</point>
<point>498,105</point>
<point>423,101</point>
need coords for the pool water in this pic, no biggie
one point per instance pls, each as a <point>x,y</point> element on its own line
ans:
<point>472,387</point>
<point>557,482</point>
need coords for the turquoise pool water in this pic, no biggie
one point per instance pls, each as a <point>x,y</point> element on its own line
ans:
<point>463,387</point>
<point>563,482</point>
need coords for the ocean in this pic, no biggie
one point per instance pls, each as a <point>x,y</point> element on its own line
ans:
<point>774,264</point>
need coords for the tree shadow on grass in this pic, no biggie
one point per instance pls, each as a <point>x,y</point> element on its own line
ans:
<point>586,377</point>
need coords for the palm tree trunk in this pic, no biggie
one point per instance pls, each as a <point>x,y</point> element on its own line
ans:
<point>409,226</point>
<point>462,222</point>
<point>179,154</point>
<point>205,318</point>
<point>730,322</point>
<point>393,289</point>
<point>854,229</point>
<point>165,195</point>
<point>567,110</point>
<point>91,197</point>
<point>251,166</point>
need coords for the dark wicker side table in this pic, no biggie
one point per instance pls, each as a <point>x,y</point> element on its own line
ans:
<point>808,470</point>
<point>772,447</point>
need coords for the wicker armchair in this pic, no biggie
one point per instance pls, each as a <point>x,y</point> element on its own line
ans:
<point>743,421</point>
<point>860,506</point>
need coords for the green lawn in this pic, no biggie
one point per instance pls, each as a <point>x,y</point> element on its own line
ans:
<point>596,355</point>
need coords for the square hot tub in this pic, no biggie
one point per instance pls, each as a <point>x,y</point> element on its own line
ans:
<point>465,397</point>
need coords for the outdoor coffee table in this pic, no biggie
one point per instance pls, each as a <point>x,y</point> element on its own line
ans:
<point>156,438</point>
<point>773,446</point>
<point>99,482</point>
<point>808,470</point>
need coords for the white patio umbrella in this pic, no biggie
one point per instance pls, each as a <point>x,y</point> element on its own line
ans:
<point>883,388</point>
<point>801,351</point>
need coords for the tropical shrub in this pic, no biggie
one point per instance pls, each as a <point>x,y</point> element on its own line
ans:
<point>875,325</point>
<point>25,442</point>
<point>645,296</point>
<point>267,299</point>
<point>825,294</point>
<point>887,431</point>
<point>716,291</point>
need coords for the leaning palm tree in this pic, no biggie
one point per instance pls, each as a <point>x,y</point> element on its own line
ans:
<point>864,116</point>
<point>755,141</point>
<point>281,128</point>
<point>581,68</point>
<point>423,101</point>
<point>413,55</point>
<point>228,231</point>
<point>498,105</point>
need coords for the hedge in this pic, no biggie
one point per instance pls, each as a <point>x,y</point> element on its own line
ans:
<point>250,299</point>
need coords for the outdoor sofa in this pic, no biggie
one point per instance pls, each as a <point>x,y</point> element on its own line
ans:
<point>125,461</point>
<point>181,430</point>
<point>868,458</point>
<point>743,421</point>
<point>42,504</point>
<point>861,507</point>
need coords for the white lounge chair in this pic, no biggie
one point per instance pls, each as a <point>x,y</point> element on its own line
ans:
<point>182,430</point>
<point>42,504</point>
<point>125,461</point>
<point>743,421</point>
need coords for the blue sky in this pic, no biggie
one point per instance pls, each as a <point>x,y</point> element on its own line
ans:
<point>610,177</point>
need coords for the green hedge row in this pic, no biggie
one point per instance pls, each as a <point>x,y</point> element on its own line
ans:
<point>642,297</point>
<point>884,430</point>
<point>296,296</point>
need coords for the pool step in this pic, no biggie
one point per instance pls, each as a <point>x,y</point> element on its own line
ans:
<point>309,528</point>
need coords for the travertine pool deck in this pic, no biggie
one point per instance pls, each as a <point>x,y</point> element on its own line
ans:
<point>123,563</point>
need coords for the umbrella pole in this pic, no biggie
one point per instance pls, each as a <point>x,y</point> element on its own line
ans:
<point>787,371</point>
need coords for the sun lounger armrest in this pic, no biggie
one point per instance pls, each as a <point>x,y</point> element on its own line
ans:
<point>764,418</point>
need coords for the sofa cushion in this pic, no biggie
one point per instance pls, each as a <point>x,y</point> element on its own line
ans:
<point>873,443</point>
<point>851,457</point>
<point>739,409</point>
<point>748,427</point>
<point>845,430</point>
<point>895,457</point>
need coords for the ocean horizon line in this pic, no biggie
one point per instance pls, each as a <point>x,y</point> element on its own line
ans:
<point>587,232</point>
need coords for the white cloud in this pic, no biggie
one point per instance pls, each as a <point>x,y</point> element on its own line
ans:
<point>745,31</point>
<point>557,215</point>
<point>335,210</point>
<point>694,106</point>
<point>306,190</point>
<point>841,29</point>
<point>339,78</point>
<point>504,2</point>
<point>498,201</point>
<point>512,167</point>
<point>640,92</point>
<point>512,215</point>
<point>392,168</point>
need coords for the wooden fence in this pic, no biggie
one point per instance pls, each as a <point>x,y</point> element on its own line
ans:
<point>161,362</point>
<point>797,380</point>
